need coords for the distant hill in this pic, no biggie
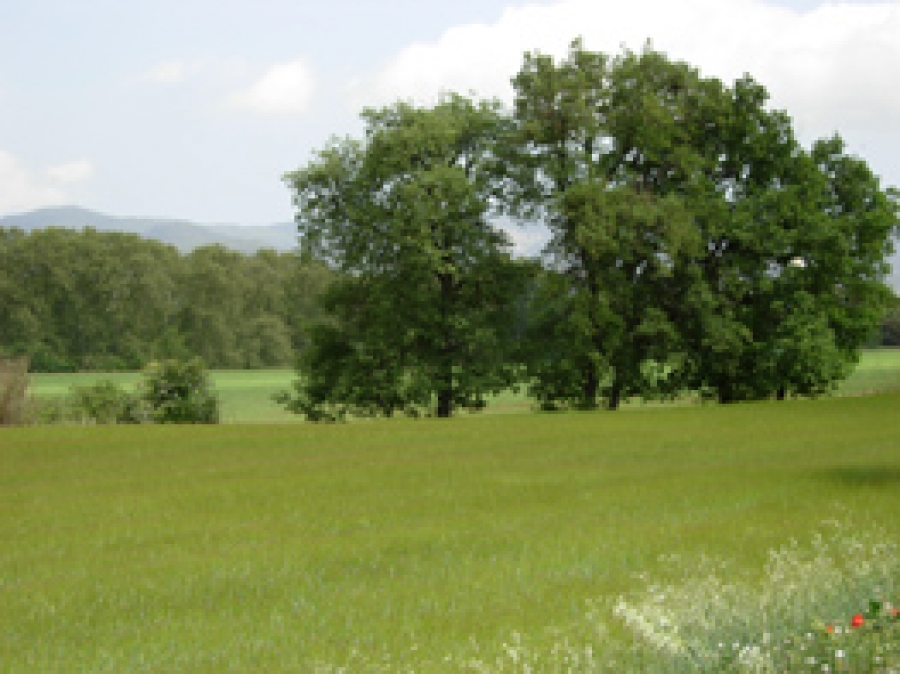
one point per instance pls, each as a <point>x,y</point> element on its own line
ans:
<point>182,234</point>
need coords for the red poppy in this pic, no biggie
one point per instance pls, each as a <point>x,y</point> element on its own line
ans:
<point>857,621</point>
<point>830,628</point>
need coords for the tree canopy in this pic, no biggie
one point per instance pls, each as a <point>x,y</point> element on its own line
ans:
<point>695,245</point>
<point>676,205</point>
<point>417,324</point>
<point>89,300</point>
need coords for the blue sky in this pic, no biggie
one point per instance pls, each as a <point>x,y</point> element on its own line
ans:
<point>195,108</point>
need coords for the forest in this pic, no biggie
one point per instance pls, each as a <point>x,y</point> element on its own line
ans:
<point>106,301</point>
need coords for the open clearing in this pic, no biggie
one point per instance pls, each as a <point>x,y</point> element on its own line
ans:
<point>421,545</point>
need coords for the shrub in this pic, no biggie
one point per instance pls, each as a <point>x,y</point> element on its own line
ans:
<point>101,403</point>
<point>50,411</point>
<point>171,391</point>
<point>175,391</point>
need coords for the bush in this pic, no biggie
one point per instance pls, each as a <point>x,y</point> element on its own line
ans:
<point>176,392</point>
<point>172,391</point>
<point>50,411</point>
<point>101,403</point>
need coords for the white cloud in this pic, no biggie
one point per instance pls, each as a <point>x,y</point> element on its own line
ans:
<point>838,71</point>
<point>470,58</point>
<point>285,88</point>
<point>71,173</point>
<point>208,69</point>
<point>22,190</point>
<point>832,68</point>
<point>167,72</point>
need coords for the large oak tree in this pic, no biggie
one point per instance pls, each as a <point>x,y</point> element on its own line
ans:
<point>698,244</point>
<point>417,325</point>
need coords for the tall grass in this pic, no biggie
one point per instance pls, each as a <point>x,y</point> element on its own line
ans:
<point>495,543</point>
<point>713,615</point>
<point>713,618</point>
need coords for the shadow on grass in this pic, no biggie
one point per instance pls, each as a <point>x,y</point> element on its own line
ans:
<point>863,476</point>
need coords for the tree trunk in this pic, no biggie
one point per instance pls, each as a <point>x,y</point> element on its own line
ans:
<point>589,389</point>
<point>591,385</point>
<point>445,403</point>
<point>615,395</point>
<point>781,394</point>
<point>445,378</point>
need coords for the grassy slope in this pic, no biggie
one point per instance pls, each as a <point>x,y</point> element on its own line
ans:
<point>273,547</point>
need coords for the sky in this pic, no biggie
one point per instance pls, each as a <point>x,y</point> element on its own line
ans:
<point>194,109</point>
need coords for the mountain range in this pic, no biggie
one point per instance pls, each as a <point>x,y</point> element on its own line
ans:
<point>182,234</point>
<point>186,235</point>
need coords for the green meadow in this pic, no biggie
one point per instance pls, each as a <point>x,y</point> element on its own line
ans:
<point>246,395</point>
<point>658,538</point>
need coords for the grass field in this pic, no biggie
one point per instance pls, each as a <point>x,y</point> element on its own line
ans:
<point>878,370</point>
<point>246,395</point>
<point>573,542</point>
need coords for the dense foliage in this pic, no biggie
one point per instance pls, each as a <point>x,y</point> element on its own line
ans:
<point>695,245</point>
<point>109,301</point>
<point>421,322</point>
<point>103,402</point>
<point>176,392</point>
<point>691,230</point>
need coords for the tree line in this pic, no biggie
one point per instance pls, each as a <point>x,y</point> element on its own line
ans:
<point>696,245</point>
<point>102,301</point>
